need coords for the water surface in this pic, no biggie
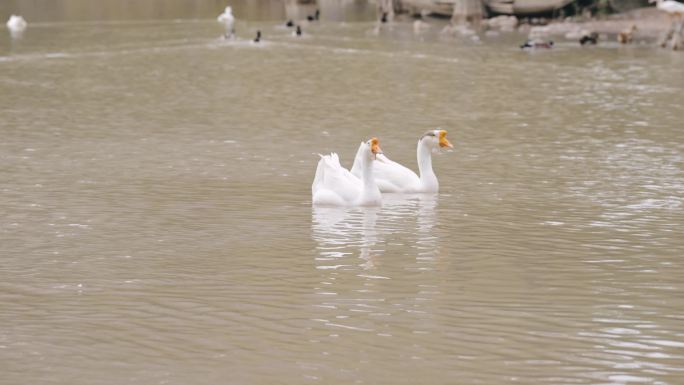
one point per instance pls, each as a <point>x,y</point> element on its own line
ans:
<point>156,224</point>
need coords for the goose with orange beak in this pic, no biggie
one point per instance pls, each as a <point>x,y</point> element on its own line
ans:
<point>334,185</point>
<point>392,177</point>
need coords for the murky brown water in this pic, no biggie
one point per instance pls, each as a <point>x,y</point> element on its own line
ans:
<point>156,224</point>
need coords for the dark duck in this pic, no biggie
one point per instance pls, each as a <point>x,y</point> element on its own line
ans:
<point>591,38</point>
<point>315,16</point>
<point>532,44</point>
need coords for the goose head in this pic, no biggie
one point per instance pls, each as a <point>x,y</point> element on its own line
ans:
<point>372,148</point>
<point>436,139</point>
<point>16,23</point>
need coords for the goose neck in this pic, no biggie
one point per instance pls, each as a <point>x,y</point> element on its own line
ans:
<point>428,179</point>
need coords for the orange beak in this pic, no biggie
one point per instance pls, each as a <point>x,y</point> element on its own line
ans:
<point>375,146</point>
<point>443,142</point>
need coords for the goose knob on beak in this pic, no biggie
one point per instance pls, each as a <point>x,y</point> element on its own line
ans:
<point>375,147</point>
<point>443,141</point>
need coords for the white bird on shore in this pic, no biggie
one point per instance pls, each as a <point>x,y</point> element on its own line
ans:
<point>228,21</point>
<point>16,25</point>
<point>673,8</point>
<point>393,177</point>
<point>334,185</point>
<point>675,11</point>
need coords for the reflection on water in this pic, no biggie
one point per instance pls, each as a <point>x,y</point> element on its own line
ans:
<point>357,261</point>
<point>156,223</point>
<point>360,234</point>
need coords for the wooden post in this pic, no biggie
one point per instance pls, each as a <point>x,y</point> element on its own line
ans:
<point>467,11</point>
<point>677,38</point>
<point>386,8</point>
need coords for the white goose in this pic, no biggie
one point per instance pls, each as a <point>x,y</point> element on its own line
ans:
<point>228,21</point>
<point>334,185</point>
<point>675,12</point>
<point>393,177</point>
<point>16,25</point>
<point>673,8</point>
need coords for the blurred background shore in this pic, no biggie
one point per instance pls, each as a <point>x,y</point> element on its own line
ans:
<point>563,17</point>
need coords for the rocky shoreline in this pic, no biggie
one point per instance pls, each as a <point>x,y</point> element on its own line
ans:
<point>644,25</point>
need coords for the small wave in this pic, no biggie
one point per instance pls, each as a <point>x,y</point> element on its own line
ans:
<point>655,204</point>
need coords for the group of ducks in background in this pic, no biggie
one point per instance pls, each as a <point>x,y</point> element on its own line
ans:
<point>588,38</point>
<point>228,20</point>
<point>17,24</point>
<point>591,38</point>
<point>673,9</point>
<point>373,174</point>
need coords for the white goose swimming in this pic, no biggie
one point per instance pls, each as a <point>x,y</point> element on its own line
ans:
<point>228,21</point>
<point>393,177</point>
<point>334,185</point>
<point>16,25</point>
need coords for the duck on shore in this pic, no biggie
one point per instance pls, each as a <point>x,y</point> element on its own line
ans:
<point>626,36</point>
<point>591,38</point>
<point>537,44</point>
<point>315,16</point>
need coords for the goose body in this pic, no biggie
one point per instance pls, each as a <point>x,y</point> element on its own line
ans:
<point>334,185</point>
<point>392,177</point>
<point>228,21</point>
<point>16,23</point>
